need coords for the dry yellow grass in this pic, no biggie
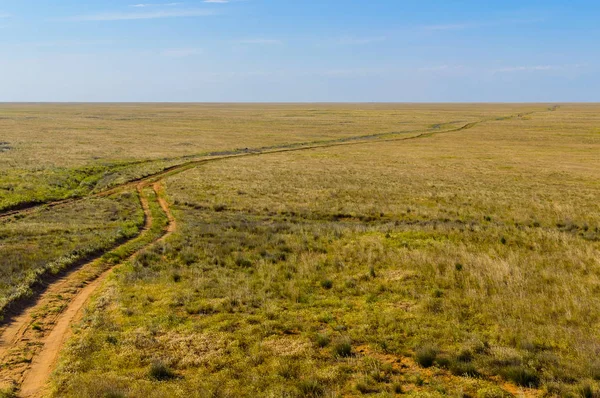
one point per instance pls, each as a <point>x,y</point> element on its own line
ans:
<point>350,270</point>
<point>71,135</point>
<point>51,152</point>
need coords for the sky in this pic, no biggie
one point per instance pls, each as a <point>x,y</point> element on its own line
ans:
<point>299,51</point>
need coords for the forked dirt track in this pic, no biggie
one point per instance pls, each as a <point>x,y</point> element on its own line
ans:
<point>31,342</point>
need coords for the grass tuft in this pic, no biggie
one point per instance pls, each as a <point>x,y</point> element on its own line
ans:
<point>323,340</point>
<point>159,371</point>
<point>459,368</point>
<point>9,392</point>
<point>327,284</point>
<point>521,375</point>
<point>493,392</point>
<point>588,391</point>
<point>311,389</point>
<point>342,349</point>
<point>426,356</point>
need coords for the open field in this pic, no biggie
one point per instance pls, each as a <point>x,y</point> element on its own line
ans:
<point>423,250</point>
<point>52,152</point>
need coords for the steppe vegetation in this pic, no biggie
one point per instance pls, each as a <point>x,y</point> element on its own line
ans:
<point>463,262</point>
<point>53,241</point>
<point>52,152</point>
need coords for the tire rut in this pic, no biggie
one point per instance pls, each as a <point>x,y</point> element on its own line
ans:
<point>31,342</point>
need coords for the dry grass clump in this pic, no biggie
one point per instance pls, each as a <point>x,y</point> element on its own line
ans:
<point>426,356</point>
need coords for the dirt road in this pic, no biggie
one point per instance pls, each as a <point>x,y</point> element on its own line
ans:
<point>31,342</point>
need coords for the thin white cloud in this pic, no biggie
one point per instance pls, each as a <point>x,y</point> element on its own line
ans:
<point>480,24</point>
<point>538,68</point>
<point>434,68</point>
<point>144,5</point>
<point>361,40</point>
<point>65,43</point>
<point>533,68</point>
<point>259,41</point>
<point>447,27</point>
<point>348,73</point>
<point>126,16</point>
<point>453,69</point>
<point>181,52</point>
<point>217,1</point>
<point>442,68</point>
<point>4,15</point>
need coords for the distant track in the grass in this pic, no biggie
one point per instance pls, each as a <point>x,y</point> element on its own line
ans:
<point>27,208</point>
<point>30,343</point>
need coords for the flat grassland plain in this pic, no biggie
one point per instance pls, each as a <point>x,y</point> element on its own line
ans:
<point>319,251</point>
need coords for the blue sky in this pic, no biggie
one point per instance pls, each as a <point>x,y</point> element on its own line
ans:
<point>294,50</point>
